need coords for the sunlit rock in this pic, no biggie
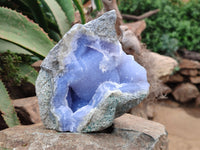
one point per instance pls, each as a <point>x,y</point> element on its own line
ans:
<point>87,80</point>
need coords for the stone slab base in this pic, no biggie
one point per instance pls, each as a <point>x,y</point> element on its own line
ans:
<point>129,133</point>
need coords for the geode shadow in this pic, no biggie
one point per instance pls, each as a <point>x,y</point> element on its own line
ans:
<point>87,80</point>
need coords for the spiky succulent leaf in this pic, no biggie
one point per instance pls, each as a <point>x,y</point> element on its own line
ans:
<point>54,35</point>
<point>8,112</point>
<point>68,8</point>
<point>80,9</point>
<point>98,4</point>
<point>6,45</point>
<point>61,19</point>
<point>18,29</point>
<point>36,11</point>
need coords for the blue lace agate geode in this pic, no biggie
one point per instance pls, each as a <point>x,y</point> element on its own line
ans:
<point>87,80</point>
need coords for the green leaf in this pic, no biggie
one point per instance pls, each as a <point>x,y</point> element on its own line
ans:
<point>28,72</point>
<point>98,4</point>
<point>68,8</point>
<point>59,15</point>
<point>54,35</point>
<point>80,9</point>
<point>84,1</point>
<point>8,112</point>
<point>37,12</point>
<point>18,29</point>
<point>6,45</point>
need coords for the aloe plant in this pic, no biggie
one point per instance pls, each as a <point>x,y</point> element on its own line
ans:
<point>79,5</point>
<point>98,4</point>
<point>62,20</point>
<point>68,9</point>
<point>19,30</point>
<point>6,45</point>
<point>6,107</point>
<point>20,35</point>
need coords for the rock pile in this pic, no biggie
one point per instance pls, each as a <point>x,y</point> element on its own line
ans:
<point>185,83</point>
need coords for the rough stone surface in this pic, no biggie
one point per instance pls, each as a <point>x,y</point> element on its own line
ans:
<point>189,72</point>
<point>185,92</point>
<point>166,89</point>
<point>175,78</point>
<point>197,102</point>
<point>195,80</point>
<point>87,80</point>
<point>129,133</point>
<point>36,65</point>
<point>140,110</point>
<point>150,110</point>
<point>28,109</point>
<point>163,66</point>
<point>189,64</point>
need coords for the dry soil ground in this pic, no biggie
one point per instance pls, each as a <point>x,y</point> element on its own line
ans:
<point>182,124</point>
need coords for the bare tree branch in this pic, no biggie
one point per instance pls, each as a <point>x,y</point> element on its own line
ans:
<point>145,15</point>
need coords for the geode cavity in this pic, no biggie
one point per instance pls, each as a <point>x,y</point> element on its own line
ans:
<point>87,80</point>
